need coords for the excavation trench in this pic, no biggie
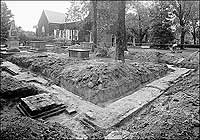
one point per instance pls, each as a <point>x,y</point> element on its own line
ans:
<point>98,81</point>
<point>105,82</point>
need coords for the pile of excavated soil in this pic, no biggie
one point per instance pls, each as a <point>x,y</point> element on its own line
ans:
<point>192,61</point>
<point>25,59</point>
<point>18,127</point>
<point>52,66</point>
<point>138,55</point>
<point>146,56</point>
<point>11,87</point>
<point>98,82</point>
<point>174,115</point>
<point>94,80</point>
<point>178,59</point>
<point>169,58</point>
<point>47,65</point>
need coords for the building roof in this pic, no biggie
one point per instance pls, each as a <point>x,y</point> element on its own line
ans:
<point>55,17</point>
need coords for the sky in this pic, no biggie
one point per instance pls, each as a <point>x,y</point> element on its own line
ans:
<point>27,13</point>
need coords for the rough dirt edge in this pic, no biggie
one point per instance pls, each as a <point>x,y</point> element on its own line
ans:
<point>192,61</point>
<point>139,56</point>
<point>18,127</point>
<point>101,81</point>
<point>24,59</point>
<point>47,65</point>
<point>174,115</point>
<point>90,82</point>
<point>51,67</point>
<point>10,87</point>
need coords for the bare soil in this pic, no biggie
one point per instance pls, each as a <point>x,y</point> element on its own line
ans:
<point>174,115</point>
<point>14,125</point>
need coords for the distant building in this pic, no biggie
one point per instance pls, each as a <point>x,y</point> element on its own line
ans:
<point>54,24</point>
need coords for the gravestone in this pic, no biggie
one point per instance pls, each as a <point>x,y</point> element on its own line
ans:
<point>13,40</point>
<point>41,105</point>
<point>79,53</point>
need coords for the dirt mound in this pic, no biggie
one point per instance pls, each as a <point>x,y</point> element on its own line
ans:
<point>151,56</point>
<point>24,59</point>
<point>17,127</point>
<point>11,87</point>
<point>169,58</point>
<point>47,65</point>
<point>51,67</point>
<point>139,56</point>
<point>102,81</point>
<point>87,78</point>
<point>174,115</point>
<point>192,61</point>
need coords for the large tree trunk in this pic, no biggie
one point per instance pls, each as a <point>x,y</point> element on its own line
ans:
<point>182,38</point>
<point>199,40</point>
<point>121,32</point>
<point>94,25</point>
<point>194,35</point>
<point>140,31</point>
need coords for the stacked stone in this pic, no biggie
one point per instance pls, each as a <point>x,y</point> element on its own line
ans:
<point>40,103</point>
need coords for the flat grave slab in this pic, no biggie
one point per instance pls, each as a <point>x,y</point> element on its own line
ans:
<point>28,77</point>
<point>10,67</point>
<point>79,53</point>
<point>41,105</point>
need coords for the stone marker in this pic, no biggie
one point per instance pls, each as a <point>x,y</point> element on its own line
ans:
<point>90,115</point>
<point>13,40</point>
<point>70,111</point>
<point>79,53</point>
<point>41,105</point>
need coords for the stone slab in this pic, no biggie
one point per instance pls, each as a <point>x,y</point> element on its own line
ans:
<point>165,82</point>
<point>117,135</point>
<point>115,112</point>
<point>119,110</point>
<point>12,68</point>
<point>40,103</point>
<point>28,77</point>
<point>129,104</point>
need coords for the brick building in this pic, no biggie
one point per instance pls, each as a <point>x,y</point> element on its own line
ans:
<point>54,24</point>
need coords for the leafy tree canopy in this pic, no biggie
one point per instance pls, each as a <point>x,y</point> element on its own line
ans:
<point>6,18</point>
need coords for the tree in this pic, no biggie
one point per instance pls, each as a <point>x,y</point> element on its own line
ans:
<point>94,24</point>
<point>121,32</point>
<point>184,11</point>
<point>194,21</point>
<point>6,17</point>
<point>25,36</point>
<point>198,33</point>
<point>162,21</point>
<point>138,22</point>
<point>78,10</point>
